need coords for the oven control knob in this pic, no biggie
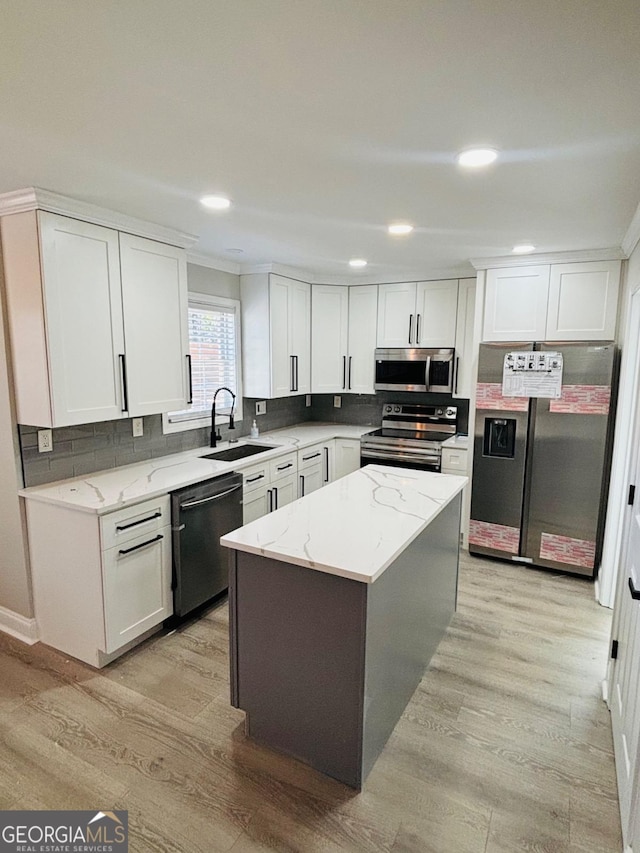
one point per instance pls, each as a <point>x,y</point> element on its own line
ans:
<point>388,408</point>
<point>451,413</point>
<point>396,409</point>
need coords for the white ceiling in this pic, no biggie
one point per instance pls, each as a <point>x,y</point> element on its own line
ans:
<point>324,120</point>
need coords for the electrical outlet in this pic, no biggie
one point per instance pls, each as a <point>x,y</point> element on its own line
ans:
<point>261,407</point>
<point>138,427</point>
<point>337,402</point>
<point>45,440</point>
<point>307,400</point>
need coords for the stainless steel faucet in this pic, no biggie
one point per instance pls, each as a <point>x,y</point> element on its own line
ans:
<point>215,436</point>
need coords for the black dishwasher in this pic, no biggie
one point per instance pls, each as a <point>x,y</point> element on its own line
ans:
<point>200,515</point>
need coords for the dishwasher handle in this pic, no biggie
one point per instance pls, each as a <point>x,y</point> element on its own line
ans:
<point>208,500</point>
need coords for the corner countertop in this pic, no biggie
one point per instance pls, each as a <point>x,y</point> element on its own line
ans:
<point>459,441</point>
<point>105,491</point>
<point>356,526</point>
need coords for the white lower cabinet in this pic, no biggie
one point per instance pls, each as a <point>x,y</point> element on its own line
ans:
<point>313,468</point>
<point>455,460</point>
<point>309,480</point>
<point>269,486</point>
<point>100,582</point>
<point>346,457</point>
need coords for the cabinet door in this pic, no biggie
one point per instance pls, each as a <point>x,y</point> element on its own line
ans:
<point>137,587</point>
<point>328,462</point>
<point>329,338</point>
<point>285,491</point>
<point>397,315</point>
<point>436,308</point>
<point>81,269</point>
<point>464,337</point>
<point>255,503</point>
<point>583,301</point>
<point>300,335</point>
<point>363,313</point>
<point>310,479</point>
<point>347,457</point>
<point>154,298</point>
<point>516,304</point>
<point>280,310</point>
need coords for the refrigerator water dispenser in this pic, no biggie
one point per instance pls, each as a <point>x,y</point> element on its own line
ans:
<point>500,437</point>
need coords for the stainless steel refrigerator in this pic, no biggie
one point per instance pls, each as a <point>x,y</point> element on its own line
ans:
<point>541,464</point>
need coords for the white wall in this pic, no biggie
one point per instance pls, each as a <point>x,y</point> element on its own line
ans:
<point>15,587</point>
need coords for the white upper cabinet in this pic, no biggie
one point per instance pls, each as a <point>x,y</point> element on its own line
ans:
<point>436,311</point>
<point>363,312</point>
<point>97,319</point>
<point>417,314</point>
<point>583,301</point>
<point>343,338</point>
<point>396,315</point>
<point>154,299</point>
<point>276,335</point>
<point>516,304</point>
<point>464,338</point>
<point>329,338</point>
<point>558,302</point>
<point>83,320</point>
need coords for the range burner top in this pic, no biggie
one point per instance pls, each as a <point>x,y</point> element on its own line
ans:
<point>411,436</point>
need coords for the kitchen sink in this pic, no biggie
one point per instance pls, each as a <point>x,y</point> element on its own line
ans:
<point>240,452</point>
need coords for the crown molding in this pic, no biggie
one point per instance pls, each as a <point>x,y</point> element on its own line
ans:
<point>614,253</point>
<point>34,198</point>
<point>212,263</point>
<point>430,275</point>
<point>632,237</point>
<point>279,269</point>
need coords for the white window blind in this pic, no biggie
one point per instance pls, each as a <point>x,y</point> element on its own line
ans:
<point>213,345</point>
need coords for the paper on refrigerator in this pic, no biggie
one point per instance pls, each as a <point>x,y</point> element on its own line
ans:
<point>532,374</point>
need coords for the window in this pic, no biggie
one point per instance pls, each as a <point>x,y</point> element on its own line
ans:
<point>214,345</point>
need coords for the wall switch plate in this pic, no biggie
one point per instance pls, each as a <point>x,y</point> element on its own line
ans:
<point>138,427</point>
<point>261,407</point>
<point>337,402</point>
<point>307,400</point>
<point>45,440</point>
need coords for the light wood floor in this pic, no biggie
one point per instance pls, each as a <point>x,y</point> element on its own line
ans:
<point>505,747</point>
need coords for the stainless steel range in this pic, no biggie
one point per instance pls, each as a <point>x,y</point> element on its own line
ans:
<point>411,436</point>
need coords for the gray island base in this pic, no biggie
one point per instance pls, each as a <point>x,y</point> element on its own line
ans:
<point>324,665</point>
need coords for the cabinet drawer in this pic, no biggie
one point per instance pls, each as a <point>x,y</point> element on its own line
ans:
<point>310,456</point>
<point>134,521</point>
<point>454,460</point>
<point>283,466</point>
<point>255,477</point>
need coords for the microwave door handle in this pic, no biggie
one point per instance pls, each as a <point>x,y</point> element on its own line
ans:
<point>427,376</point>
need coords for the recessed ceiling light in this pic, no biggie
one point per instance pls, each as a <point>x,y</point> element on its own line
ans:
<point>215,202</point>
<point>475,157</point>
<point>523,249</point>
<point>357,262</point>
<point>400,228</point>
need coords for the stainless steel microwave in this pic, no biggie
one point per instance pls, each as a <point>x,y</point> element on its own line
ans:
<point>415,370</point>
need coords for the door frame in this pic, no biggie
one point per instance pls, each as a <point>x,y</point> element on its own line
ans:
<point>630,446</point>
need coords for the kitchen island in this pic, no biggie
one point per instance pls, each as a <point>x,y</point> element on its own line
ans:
<point>337,604</point>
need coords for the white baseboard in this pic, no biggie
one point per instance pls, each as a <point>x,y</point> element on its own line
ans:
<point>18,626</point>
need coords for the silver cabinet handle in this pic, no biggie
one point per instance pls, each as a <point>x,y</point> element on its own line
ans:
<point>217,497</point>
<point>120,527</point>
<point>141,545</point>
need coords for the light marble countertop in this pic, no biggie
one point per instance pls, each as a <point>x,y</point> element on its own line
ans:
<point>459,441</point>
<point>356,526</point>
<point>105,491</point>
